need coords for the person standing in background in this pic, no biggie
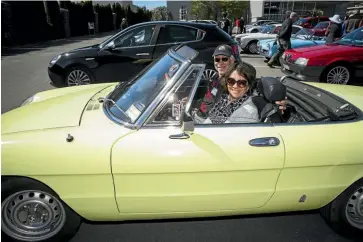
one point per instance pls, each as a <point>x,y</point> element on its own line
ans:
<point>124,24</point>
<point>225,23</point>
<point>334,29</point>
<point>238,26</point>
<point>283,38</point>
<point>242,25</point>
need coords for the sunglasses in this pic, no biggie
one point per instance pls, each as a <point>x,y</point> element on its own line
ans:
<point>240,83</point>
<point>224,59</point>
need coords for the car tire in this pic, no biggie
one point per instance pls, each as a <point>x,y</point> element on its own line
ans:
<point>78,75</point>
<point>342,213</point>
<point>338,69</point>
<point>252,47</point>
<point>26,202</point>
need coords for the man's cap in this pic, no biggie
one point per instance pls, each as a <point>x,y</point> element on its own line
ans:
<point>225,50</point>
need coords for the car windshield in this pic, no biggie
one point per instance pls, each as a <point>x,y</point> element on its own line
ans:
<point>300,21</point>
<point>322,25</point>
<point>268,29</point>
<point>135,97</point>
<point>354,38</point>
<point>304,33</point>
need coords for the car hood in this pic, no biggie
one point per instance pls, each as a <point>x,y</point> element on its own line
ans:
<point>83,52</point>
<point>52,109</point>
<point>322,50</point>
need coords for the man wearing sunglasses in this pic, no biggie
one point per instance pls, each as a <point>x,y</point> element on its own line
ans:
<point>223,59</point>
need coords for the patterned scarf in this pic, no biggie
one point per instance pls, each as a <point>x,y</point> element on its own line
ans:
<point>222,110</point>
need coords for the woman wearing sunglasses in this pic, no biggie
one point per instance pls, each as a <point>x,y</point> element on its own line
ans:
<point>234,104</point>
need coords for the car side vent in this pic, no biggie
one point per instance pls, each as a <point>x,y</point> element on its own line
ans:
<point>93,106</point>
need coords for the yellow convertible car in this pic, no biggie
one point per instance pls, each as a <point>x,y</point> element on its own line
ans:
<point>131,151</point>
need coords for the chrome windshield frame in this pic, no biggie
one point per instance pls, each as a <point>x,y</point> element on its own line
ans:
<point>185,63</point>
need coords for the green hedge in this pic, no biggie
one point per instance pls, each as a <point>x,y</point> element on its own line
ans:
<point>26,21</point>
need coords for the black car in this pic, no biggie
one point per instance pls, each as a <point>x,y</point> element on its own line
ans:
<point>125,54</point>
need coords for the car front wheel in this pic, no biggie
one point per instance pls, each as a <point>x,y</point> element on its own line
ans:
<point>33,212</point>
<point>78,75</point>
<point>345,213</point>
<point>338,74</point>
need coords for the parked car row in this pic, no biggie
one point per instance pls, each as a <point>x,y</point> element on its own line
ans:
<point>338,63</point>
<point>125,54</point>
<point>248,41</point>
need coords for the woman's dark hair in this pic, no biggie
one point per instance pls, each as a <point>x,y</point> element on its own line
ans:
<point>243,69</point>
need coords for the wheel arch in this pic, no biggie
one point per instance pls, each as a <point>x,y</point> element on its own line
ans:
<point>7,178</point>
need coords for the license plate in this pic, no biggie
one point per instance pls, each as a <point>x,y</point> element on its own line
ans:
<point>286,67</point>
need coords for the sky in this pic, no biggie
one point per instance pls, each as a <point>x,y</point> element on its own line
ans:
<point>150,4</point>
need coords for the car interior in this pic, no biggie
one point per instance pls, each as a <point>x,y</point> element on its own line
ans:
<point>303,106</point>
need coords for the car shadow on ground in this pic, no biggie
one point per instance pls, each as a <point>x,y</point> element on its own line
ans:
<point>22,49</point>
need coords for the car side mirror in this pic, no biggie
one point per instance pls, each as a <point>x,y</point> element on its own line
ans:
<point>110,46</point>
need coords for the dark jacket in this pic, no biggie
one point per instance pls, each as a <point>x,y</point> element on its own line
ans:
<point>335,31</point>
<point>286,29</point>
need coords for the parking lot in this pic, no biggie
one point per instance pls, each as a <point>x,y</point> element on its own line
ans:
<point>24,73</point>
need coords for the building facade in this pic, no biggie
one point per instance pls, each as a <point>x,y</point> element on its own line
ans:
<point>179,10</point>
<point>275,10</point>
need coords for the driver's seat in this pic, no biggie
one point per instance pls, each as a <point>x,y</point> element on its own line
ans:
<point>269,90</point>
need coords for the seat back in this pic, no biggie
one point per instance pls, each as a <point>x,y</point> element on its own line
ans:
<point>270,90</point>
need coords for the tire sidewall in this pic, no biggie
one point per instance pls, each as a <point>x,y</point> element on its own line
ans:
<point>72,223</point>
<point>335,212</point>
<point>82,68</point>
<point>325,74</point>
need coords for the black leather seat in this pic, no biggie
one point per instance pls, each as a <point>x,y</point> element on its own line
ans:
<point>269,91</point>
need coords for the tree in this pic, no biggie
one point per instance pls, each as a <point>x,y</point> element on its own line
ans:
<point>160,13</point>
<point>202,10</point>
<point>234,9</point>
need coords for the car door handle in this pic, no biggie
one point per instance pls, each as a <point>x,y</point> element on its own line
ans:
<point>180,136</point>
<point>142,54</point>
<point>266,141</point>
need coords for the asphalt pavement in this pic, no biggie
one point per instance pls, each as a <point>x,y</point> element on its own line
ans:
<point>24,73</point>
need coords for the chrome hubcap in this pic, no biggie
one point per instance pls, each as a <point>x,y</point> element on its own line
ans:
<point>338,75</point>
<point>354,209</point>
<point>253,48</point>
<point>209,74</point>
<point>32,216</point>
<point>78,77</point>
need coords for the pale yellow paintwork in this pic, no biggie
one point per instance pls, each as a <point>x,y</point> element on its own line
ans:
<point>215,172</point>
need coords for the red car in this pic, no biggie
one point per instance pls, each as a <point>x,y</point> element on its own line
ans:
<point>310,22</point>
<point>338,63</point>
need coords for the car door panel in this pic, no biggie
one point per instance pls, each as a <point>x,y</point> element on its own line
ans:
<point>215,170</point>
<point>315,169</point>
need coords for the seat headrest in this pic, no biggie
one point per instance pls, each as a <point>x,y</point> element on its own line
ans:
<point>272,89</point>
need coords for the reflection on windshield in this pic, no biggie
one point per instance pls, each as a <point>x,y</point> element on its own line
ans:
<point>267,29</point>
<point>133,100</point>
<point>300,21</point>
<point>304,33</point>
<point>354,38</point>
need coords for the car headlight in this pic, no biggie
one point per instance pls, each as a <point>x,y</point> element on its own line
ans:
<point>301,61</point>
<point>55,59</point>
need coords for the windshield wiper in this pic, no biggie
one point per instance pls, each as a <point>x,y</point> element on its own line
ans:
<point>102,99</point>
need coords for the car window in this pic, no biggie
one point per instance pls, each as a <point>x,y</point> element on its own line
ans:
<point>354,38</point>
<point>176,34</point>
<point>171,110</point>
<point>300,21</point>
<point>295,30</point>
<point>137,37</point>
